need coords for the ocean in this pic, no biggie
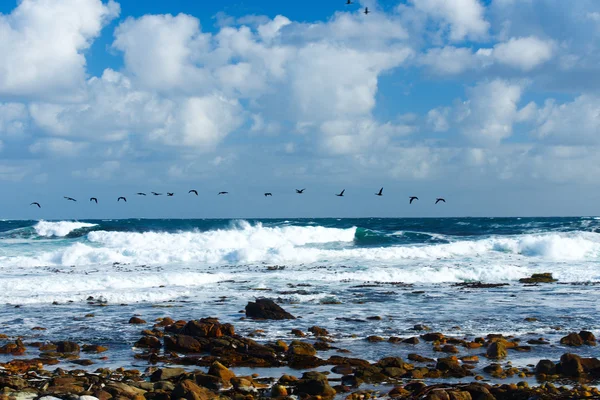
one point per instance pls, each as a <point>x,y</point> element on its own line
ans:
<point>334,273</point>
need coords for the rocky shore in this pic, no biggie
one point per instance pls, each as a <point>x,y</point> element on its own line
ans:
<point>197,360</point>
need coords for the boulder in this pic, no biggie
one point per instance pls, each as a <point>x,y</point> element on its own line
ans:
<point>545,367</point>
<point>411,340</point>
<point>572,339</point>
<point>570,365</point>
<point>279,391</point>
<point>266,309</point>
<point>432,337</point>
<point>588,337</point>
<point>207,328</point>
<point>182,343</point>
<point>315,384</point>
<point>496,350</point>
<point>136,321</point>
<point>164,374</point>
<point>148,342</point>
<point>299,348</point>
<point>219,370</point>
<point>67,347</point>
<point>318,331</point>
<point>190,391</point>
<point>93,348</point>
<point>545,277</point>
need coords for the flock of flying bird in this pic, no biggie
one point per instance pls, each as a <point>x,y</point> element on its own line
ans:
<point>195,192</point>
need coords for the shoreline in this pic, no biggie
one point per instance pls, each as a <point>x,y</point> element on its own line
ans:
<point>206,359</point>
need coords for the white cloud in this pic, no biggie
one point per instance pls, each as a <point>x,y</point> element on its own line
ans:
<point>13,118</point>
<point>524,53</point>
<point>464,17</point>
<point>42,44</point>
<point>104,171</point>
<point>438,119</point>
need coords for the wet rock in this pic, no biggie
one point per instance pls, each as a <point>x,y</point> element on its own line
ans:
<point>450,366</point>
<point>375,339</point>
<point>182,343</point>
<point>419,358</point>
<point>164,374</point>
<point>162,322</point>
<point>343,369</point>
<point>470,359</point>
<point>315,384</point>
<point>190,391</point>
<point>136,321</point>
<point>279,391</point>
<point>318,331</point>
<point>207,328</point>
<point>299,348</point>
<point>588,338</point>
<point>438,394</point>
<point>545,277</point>
<point>16,348</point>
<point>280,346</point>
<point>496,350</point>
<point>117,389</point>
<point>421,327</point>
<point>67,347</point>
<point>90,348</point>
<point>545,367</point>
<point>572,339</point>
<point>450,349</point>
<point>298,333</point>
<point>148,342</point>
<point>219,370</point>
<point>411,340</point>
<point>570,365</point>
<point>432,337</point>
<point>266,309</point>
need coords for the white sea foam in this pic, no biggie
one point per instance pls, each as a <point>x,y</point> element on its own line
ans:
<point>60,228</point>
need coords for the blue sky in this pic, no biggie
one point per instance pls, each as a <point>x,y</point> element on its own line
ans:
<point>494,105</point>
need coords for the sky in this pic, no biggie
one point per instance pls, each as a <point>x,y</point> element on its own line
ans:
<point>493,105</point>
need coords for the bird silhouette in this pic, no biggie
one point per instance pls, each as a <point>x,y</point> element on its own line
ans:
<point>170,194</point>
<point>413,198</point>
<point>69,198</point>
<point>223,192</point>
<point>156,194</point>
<point>349,2</point>
<point>268,194</point>
<point>439,199</point>
<point>300,191</point>
<point>341,193</point>
<point>124,199</point>
<point>380,193</point>
<point>193,191</point>
<point>141,194</point>
<point>36,204</point>
<point>366,10</point>
<point>94,199</point>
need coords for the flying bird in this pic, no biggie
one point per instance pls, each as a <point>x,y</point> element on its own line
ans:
<point>341,193</point>
<point>223,192</point>
<point>380,193</point>
<point>141,194</point>
<point>170,194</point>
<point>268,194</point>
<point>193,191</point>
<point>349,2</point>
<point>439,199</point>
<point>94,199</point>
<point>69,198</point>
<point>367,10</point>
<point>156,194</point>
<point>36,204</point>
<point>413,198</point>
<point>300,191</point>
<point>124,199</point>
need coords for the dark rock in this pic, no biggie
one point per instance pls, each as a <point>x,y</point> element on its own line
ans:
<point>148,342</point>
<point>318,331</point>
<point>450,349</point>
<point>411,340</point>
<point>207,328</point>
<point>136,321</point>
<point>343,369</point>
<point>419,358</point>
<point>572,339</point>
<point>588,338</point>
<point>570,365</point>
<point>432,337</point>
<point>375,339</point>
<point>298,333</point>
<point>89,348</point>
<point>315,384</point>
<point>67,347</point>
<point>545,277</point>
<point>182,343</point>
<point>219,370</point>
<point>496,350</point>
<point>190,391</point>
<point>164,374</point>
<point>266,309</point>
<point>299,348</point>
<point>546,367</point>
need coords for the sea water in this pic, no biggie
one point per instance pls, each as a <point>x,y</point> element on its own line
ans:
<point>329,272</point>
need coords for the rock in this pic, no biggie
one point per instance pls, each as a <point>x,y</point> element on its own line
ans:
<point>545,277</point>
<point>148,342</point>
<point>470,359</point>
<point>496,350</point>
<point>89,348</point>
<point>315,384</point>
<point>588,338</point>
<point>411,340</point>
<point>67,347</point>
<point>375,339</point>
<point>344,369</point>
<point>451,367</point>
<point>318,331</point>
<point>450,349</point>
<point>207,328</point>
<point>121,389</point>
<point>570,365</point>
<point>460,395</point>
<point>219,370</point>
<point>182,343</point>
<point>299,348</point>
<point>421,327</point>
<point>190,391</point>
<point>393,362</point>
<point>280,346</point>
<point>266,309</point>
<point>164,374</point>
<point>419,358</point>
<point>572,339</point>
<point>298,333</point>
<point>279,391</point>
<point>438,394</point>
<point>545,367</point>
<point>16,348</point>
<point>432,337</point>
<point>164,322</point>
<point>136,321</point>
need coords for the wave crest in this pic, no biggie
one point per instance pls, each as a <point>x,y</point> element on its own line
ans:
<point>60,228</point>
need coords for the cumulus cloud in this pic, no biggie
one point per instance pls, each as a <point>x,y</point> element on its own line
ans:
<point>42,44</point>
<point>57,147</point>
<point>524,53</point>
<point>13,119</point>
<point>464,18</point>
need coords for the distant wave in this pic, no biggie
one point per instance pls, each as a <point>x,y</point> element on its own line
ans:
<point>60,228</point>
